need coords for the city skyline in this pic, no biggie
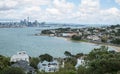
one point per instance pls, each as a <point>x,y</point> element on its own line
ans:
<point>62,11</point>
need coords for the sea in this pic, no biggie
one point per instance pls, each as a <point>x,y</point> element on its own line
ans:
<point>13,40</point>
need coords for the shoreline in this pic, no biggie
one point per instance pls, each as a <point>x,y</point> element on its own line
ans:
<point>116,47</point>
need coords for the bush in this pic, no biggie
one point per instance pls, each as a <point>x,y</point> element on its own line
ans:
<point>46,57</point>
<point>13,70</point>
<point>34,62</point>
<point>75,37</point>
<point>115,41</point>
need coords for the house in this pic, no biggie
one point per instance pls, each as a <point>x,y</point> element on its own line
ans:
<point>46,66</point>
<point>80,61</point>
<point>80,33</point>
<point>69,34</point>
<point>25,66</point>
<point>51,35</point>
<point>20,56</point>
<point>93,37</point>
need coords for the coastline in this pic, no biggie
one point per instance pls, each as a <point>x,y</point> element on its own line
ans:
<point>116,47</point>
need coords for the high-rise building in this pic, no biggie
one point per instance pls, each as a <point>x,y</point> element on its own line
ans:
<point>28,19</point>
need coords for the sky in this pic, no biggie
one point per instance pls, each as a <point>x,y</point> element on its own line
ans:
<point>62,11</point>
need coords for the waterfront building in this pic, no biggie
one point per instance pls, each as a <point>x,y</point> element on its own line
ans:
<point>93,37</point>
<point>48,66</point>
<point>68,34</point>
<point>20,56</point>
<point>80,61</point>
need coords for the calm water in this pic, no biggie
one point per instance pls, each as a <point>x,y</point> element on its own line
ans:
<point>13,40</point>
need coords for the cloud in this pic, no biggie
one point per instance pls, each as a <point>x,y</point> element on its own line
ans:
<point>53,11</point>
<point>88,11</point>
<point>63,5</point>
<point>10,4</point>
<point>34,2</point>
<point>59,10</point>
<point>11,9</point>
<point>89,6</point>
<point>112,15</point>
<point>7,5</point>
<point>117,1</point>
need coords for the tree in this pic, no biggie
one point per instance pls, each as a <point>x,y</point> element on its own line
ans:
<point>116,41</point>
<point>71,60</point>
<point>104,39</point>
<point>34,61</point>
<point>46,57</point>
<point>46,32</point>
<point>69,66</point>
<point>13,70</point>
<point>79,55</point>
<point>76,37</point>
<point>81,70</point>
<point>98,53</point>
<point>67,53</point>
<point>101,61</point>
<point>4,62</point>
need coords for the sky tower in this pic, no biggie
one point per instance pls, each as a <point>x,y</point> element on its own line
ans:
<point>28,19</point>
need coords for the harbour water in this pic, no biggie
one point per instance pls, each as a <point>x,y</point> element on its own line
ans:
<point>13,40</point>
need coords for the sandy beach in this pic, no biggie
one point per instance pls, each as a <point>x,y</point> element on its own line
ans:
<point>116,48</point>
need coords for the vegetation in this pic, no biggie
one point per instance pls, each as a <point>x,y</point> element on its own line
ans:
<point>78,55</point>
<point>104,39</point>
<point>46,32</point>
<point>13,70</point>
<point>105,34</point>
<point>98,61</point>
<point>67,53</point>
<point>116,41</point>
<point>46,57</point>
<point>75,37</point>
<point>4,62</point>
<point>34,62</point>
<point>101,61</point>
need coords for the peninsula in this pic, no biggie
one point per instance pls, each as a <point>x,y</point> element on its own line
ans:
<point>107,35</point>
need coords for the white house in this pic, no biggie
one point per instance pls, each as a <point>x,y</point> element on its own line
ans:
<point>20,56</point>
<point>48,66</point>
<point>93,37</point>
<point>68,34</point>
<point>80,61</point>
